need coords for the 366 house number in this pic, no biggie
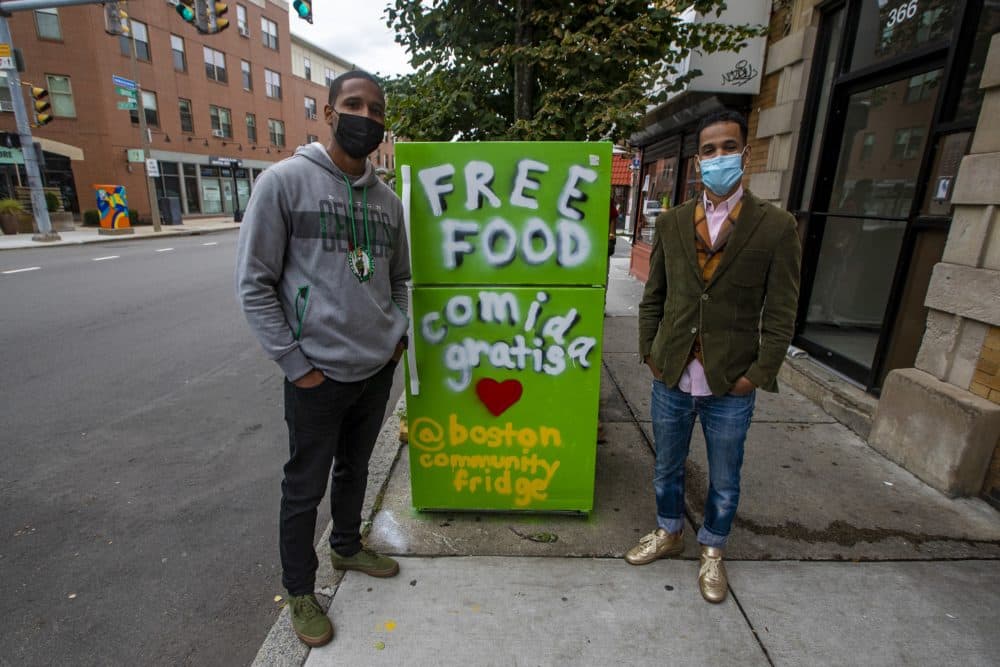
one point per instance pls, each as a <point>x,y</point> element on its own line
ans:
<point>903,12</point>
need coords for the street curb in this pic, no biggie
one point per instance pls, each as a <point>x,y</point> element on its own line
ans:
<point>281,648</point>
<point>166,233</point>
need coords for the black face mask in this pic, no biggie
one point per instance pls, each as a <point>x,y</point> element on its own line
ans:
<point>358,135</point>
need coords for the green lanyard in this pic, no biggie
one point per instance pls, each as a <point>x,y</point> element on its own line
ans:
<point>360,259</point>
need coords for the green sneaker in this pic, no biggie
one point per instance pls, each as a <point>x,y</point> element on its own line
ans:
<point>366,561</point>
<point>309,621</point>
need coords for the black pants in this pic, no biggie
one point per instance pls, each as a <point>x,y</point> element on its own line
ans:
<point>334,423</point>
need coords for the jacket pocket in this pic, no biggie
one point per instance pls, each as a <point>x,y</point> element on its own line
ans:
<point>750,268</point>
<point>301,307</point>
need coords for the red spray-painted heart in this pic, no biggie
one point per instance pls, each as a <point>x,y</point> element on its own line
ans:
<point>498,396</point>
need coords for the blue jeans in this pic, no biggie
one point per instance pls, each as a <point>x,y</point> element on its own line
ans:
<point>725,421</point>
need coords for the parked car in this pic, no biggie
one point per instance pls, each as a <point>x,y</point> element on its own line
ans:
<point>651,208</point>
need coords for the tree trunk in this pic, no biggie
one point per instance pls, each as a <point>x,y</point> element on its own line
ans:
<point>523,69</point>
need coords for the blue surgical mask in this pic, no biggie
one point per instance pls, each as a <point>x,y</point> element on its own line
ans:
<point>721,174</point>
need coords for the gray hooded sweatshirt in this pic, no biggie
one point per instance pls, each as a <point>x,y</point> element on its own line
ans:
<point>306,306</point>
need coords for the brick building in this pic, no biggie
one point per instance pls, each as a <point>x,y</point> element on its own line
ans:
<point>219,108</point>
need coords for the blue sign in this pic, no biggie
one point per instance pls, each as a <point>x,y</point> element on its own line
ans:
<point>124,83</point>
<point>635,163</point>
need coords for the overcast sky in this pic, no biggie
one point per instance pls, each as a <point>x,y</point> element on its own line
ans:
<point>356,32</point>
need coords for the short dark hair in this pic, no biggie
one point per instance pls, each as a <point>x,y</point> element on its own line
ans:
<point>724,116</point>
<point>338,83</point>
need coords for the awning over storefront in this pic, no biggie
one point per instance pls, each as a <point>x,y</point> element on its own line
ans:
<point>685,109</point>
<point>59,148</point>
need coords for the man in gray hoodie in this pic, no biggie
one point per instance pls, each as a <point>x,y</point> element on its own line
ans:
<point>321,273</point>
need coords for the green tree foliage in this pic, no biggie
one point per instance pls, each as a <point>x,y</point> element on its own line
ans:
<point>554,69</point>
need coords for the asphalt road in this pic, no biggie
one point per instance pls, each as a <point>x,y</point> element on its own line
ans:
<point>141,444</point>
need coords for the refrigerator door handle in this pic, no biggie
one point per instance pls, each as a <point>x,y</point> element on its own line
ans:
<point>411,358</point>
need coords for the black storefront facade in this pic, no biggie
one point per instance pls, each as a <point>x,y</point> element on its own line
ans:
<point>892,105</point>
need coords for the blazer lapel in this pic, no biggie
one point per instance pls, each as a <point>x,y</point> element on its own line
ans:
<point>750,216</point>
<point>686,232</point>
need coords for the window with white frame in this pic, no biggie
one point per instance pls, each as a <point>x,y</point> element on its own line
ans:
<point>47,24</point>
<point>241,21</point>
<point>311,108</point>
<point>141,34</point>
<point>149,110</point>
<point>276,130</point>
<point>269,33</point>
<point>222,121</point>
<point>215,65</point>
<point>177,51</point>
<point>307,67</point>
<point>6,104</point>
<point>329,75</point>
<point>60,95</point>
<point>272,84</point>
<point>247,75</point>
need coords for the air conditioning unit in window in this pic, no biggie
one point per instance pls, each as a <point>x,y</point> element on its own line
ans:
<point>244,30</point>
<point>218,133</point>
<point>6,105</point>
<point>312,115</point>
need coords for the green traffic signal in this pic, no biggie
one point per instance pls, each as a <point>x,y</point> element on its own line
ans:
<point>304,9</point>
<point>186,12</point>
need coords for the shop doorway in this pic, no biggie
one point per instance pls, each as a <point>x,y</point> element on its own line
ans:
<point>891,111</point>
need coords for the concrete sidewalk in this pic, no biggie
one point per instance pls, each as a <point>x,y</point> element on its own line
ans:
<point>81,235</point>
<point>837,556</point>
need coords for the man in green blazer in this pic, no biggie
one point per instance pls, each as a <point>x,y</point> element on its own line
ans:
<point>715,321</point>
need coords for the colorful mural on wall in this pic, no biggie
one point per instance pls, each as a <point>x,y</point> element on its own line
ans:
<point>508,248</point>
<point>112,205</point>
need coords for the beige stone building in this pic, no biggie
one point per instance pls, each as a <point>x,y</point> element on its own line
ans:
<point>871,123</point>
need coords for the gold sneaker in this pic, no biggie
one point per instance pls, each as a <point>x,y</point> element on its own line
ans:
<point>712,576</point>
<point>657,544</point>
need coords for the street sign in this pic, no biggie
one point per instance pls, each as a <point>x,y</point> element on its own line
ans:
<point>129,105</point>
<point>123,82</point>
<point>136,155</point>
<point>6,57</point>
<point>152,168</point>
<point>635,163</point>
<point>125,92</point>
<point>216,161</point>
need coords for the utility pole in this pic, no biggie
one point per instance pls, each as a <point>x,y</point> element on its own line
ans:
<point>144,134</point>
<point>38,206</point>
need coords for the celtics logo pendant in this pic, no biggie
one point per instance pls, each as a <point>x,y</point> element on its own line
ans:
<point>361,263</point>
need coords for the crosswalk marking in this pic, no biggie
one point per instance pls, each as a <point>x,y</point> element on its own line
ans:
<point>30,268</point>
<point>101,259</point>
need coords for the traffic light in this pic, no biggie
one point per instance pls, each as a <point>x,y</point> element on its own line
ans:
<point>218,9</point>
<point>43,115</point>
<point>304,8</point>
<point>115,19</point>
<point>186,9</point>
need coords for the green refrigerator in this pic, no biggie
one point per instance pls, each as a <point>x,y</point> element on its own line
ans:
<point>508,247</point>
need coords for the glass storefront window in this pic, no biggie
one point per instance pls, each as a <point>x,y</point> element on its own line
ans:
<point>829,70</point>
<point>889,28</point>
<point>971,98</point>
<point>211,195</point>
<point>850,293</point>
<point>885,132</point>
<point>191,188</point>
